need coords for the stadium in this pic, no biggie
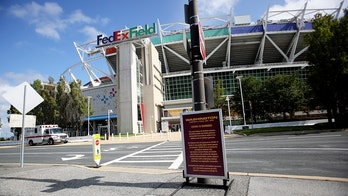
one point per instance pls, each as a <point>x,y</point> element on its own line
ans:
<point>148,81</point>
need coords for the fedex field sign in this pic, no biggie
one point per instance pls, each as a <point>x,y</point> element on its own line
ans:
<point>128,34</point>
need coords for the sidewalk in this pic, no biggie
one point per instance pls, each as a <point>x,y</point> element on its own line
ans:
<point>78,180</point>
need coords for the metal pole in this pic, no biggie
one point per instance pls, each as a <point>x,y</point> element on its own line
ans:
<point>198,97</point>
<point>199,102</point>
<point>23,131</point>
<point>241,94</point>
<point>229,113</point>
<point>88,97</point>
<point>108,125</point>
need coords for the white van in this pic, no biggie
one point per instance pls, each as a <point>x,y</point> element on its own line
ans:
<point>45,134</point>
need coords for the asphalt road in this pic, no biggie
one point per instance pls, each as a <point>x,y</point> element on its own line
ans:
<point>324,154</point>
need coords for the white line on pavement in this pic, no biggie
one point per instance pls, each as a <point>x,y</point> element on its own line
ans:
<point>153,161</point>
<point>313,136</point>
<point>144,156</point>
<point>135,153</point>
<point>176,164</point>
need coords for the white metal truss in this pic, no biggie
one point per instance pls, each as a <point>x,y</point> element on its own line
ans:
<point>299,16</point>
<point>290,16</point>
<point>88,52</point>
<point>172,28</point>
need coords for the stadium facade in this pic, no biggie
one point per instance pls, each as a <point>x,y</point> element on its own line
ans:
<point>148,82</point>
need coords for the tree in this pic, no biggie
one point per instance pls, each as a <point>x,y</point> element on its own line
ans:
<point>285,94</point>
<point>328,53</point>
<point>46,112</point>
<point>63,104</point>
<point>62,99</point>
<point>219,91</point>
<point>72,105</point>
<point>253,98</point>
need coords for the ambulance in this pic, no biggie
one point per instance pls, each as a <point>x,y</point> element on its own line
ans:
<point>45,134</point>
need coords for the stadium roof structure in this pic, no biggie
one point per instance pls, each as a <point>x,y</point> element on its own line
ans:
<point>275,40</point>
<point>278,37</point>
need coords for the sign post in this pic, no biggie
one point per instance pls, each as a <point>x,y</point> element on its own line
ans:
<point>96,149</point>
<point>23,104</point>
<point>204,145</point>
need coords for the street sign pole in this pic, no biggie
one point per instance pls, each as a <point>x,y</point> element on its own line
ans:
<point>23,131</point>
<point>198,56</point>
<point>23,104</point>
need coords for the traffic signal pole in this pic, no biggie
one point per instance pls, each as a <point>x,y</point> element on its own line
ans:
<point>198,96</point>
<point>199,102</point>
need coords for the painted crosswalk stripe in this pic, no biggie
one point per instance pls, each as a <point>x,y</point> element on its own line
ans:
<point>176,164</point>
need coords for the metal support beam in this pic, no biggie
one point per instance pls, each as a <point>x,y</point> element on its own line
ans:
<point>277,47</point>
<point>228,51</point>
<point>163,52</point>
<point>178,55</point>
<point>259,56</point>
<point>216,48</point>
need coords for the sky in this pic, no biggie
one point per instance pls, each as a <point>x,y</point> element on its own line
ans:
<point>37,36</point>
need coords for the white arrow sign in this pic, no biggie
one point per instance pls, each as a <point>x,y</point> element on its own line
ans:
<point>75,157</point>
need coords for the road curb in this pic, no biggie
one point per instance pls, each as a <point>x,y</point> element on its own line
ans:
<point>299,177</point>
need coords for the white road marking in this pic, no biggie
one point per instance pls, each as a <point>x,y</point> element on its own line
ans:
<point>110,149</point>
<point>155,151</point>
<point>154,161</point>
<point>75,157</point>
<point>314,136</point>
<point>176,164</point>
<point>130,155</point>
<point>150,156</point>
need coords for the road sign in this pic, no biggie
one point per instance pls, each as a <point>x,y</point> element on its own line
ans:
<point>23,104</point>
<point>96,149</point>
<point>30,99</point>
<point>16,120</point>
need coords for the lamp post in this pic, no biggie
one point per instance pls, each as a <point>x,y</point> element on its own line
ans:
<point>109,111</point>
<point>241,94</point>
<point>229,112</point>
<point>88,102</point>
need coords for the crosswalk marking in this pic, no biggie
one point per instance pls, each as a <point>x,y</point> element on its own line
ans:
<point>176,164</point>
<point>154,154</point>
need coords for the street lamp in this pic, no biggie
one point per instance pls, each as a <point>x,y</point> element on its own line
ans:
<point>88,102</point>
<point>241,94</point>
<point>229,112</point>
<point>109,111</point>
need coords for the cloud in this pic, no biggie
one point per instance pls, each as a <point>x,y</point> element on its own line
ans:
<point>78,16</point>
<point>311,4</point>
<point>104,21</point>
<point>90,32</point>
<point>209,8</point>
<point>11,79</point>
<point>49,19</point>
<point>46,18</point>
